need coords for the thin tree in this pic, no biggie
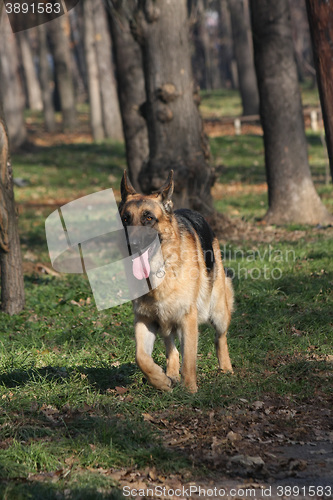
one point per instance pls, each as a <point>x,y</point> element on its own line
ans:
<point>77,30</point>
<point>131,86</point>
<point>243,52</point>
<point>291,193</point>
<point>176,138</point>
<point>12,91</point>
<point>203,68</point>
<point>32,85</point>
<point>45,80</point>
<point>12,288</point>
<point>58,30</point>
<point>95,98</point>
<point>225,44</point>
<point>103,45</point>
<point>320,16</point>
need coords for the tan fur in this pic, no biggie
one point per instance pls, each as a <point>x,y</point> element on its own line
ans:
<point>187,296</point>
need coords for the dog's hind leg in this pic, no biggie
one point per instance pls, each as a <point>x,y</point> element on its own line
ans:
<point>222,351</point>
<point>145,334</point>
<point>189,340</point>
<point>220,315</point>
<point>172,356</point>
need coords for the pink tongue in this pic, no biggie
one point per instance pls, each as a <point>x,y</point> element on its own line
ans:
<point>141,267</point>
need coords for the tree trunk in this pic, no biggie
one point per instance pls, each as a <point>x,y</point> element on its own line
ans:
<point>320,16</point>
<point>11,88</point>
<point>12,287</point>
<point>243,52</point>
<point>77,40</point>
<point>291,193</point>
<point>131,89</point>
<point>45,80</point>
<point>81,93</point>
<point>110,105</point>
<point>176,138</point>
<point>202,63</point>
<point>95,101</point>
<point>32,85</point>
<point>225,45</point>
<point>58,30</point>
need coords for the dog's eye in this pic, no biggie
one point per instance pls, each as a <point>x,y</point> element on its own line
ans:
<point>147,218</point>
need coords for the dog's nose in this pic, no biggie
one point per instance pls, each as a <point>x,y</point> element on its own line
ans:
<point>139,238</point>
<point>135,245</point>
<point>135,241</point>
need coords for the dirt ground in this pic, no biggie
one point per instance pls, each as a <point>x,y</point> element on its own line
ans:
<point>272,448</point>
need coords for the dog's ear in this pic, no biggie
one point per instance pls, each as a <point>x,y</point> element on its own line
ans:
<point>126,187</point>
<point>165,193</point>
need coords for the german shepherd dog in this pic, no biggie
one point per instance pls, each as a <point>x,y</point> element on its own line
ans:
<point>194,289</point>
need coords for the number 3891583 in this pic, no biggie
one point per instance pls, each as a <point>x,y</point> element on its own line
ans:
<point>33,8</point>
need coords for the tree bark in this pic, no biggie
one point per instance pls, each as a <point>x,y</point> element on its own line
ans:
<point>32,84</point>
<point>291,193</point>
<point>320,15</point>
<point>11,88</point>
<point>58,30</point>
<point>45,80</point>
<point>110,105</point>
<point>202,63</point>
<point>131,87</point>
<point>225,45</point>
<point>77,41</point>
<point>176,138</point>
<point>12,287</point>
<point>243,52</point>
<point>95,101</point>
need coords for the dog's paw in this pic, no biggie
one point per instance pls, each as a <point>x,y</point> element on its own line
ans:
<point>175,379</point>
<point>193,388</point>
<point>226,371</point>
<point>167,385</point>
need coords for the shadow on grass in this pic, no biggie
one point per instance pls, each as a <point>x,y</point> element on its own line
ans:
<point>101,378</point>
<point>244,174</point>
<point>110,378</point>
<point>314,139</point>
<point>35,238</point>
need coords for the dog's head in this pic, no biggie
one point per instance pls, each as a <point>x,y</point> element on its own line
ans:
<point>136,209</point>
<point>144,218</point>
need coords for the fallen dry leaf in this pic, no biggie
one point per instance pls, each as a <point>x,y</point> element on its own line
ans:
<point>148,418</point>
<point>247,461</point>
<point>233,436</point>
<point>121,390</point>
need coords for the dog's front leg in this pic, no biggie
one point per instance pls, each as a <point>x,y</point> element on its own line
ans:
<point>145,334</point>
<point>172,356</point>
<point>189,350</point>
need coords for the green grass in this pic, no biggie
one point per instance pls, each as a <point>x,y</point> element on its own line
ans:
<point>223,102</point>
<point>64,421</point>
<point>61,364</point>
<point>219,103</point>
<point>240,162</point>
<point>61,170</point>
